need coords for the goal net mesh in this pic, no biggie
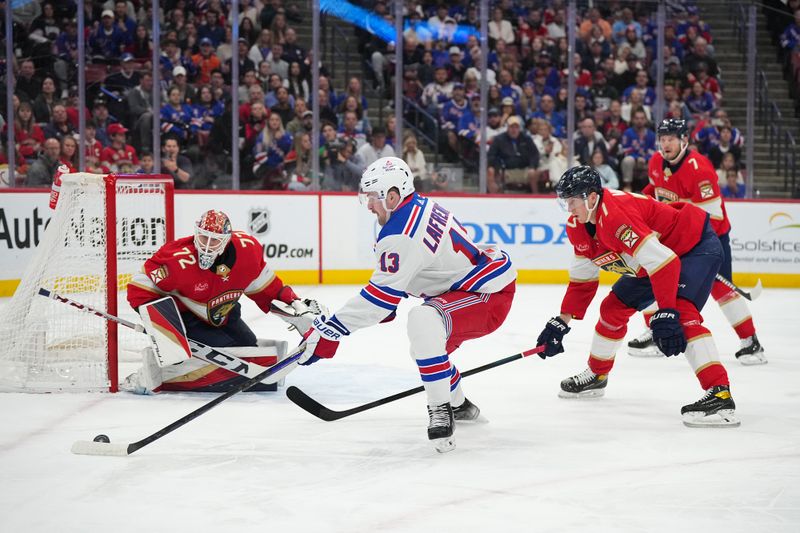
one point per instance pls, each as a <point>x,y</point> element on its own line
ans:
<point>50,346</point>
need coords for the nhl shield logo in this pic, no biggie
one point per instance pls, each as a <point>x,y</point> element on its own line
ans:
<point>259,221</point>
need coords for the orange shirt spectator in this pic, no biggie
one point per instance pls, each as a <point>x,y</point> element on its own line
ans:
<point>206,61</point>
<point>594,19</point>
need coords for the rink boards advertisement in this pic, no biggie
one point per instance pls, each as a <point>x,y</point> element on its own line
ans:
<point>329,238</point>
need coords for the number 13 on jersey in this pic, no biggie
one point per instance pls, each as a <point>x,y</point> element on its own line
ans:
<point>390,262</point>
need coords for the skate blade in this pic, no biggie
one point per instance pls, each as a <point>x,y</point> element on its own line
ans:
<point>585,395</point>
<point>753,359</point>
<point>480,419</point>
<point>725,418</point>
<point>444,445</point>
<point>645,352</point>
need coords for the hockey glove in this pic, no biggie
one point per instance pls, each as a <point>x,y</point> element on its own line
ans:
<point>308,306</point>
<point>668,332</point>
<point>551,337</point>
<point>321,342</point>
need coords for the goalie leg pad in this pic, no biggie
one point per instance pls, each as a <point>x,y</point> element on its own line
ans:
<point>198,376</point>
<point>146,380</point>
<point>163,322</point>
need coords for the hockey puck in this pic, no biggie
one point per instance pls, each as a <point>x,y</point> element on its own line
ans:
<point>102,438</point>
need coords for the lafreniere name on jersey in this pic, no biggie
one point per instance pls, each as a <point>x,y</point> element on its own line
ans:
<point>435,228</point>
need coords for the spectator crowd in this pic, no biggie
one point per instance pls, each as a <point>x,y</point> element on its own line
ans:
<point>614,72</point>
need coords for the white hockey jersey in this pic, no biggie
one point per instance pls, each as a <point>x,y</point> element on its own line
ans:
<point>422,251</point>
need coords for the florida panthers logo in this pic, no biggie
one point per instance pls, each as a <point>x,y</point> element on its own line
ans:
<point>613,262</point>
<point>666,195</point>
<point>220,306</point>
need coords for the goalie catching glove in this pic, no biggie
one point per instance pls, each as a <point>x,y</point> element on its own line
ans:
<point>321,341</point>
<point>299,314</point>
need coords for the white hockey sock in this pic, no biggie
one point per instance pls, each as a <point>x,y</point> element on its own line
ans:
<point>701,352</point>
<point>428,340</point>
<point>735,310</point>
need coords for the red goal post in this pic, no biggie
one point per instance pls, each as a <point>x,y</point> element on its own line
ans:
<point>112,185</point>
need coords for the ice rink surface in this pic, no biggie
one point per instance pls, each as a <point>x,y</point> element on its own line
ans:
<point>258,463</point>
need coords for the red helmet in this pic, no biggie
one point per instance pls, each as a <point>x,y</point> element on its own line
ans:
<point>212,233</point>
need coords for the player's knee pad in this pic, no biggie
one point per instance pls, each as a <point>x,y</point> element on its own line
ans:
<point>614,315</point>
<point>426,332</point>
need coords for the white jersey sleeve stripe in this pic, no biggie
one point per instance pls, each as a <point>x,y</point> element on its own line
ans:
<point>264,278</point>
<point>653,255</point>
<point>583,269</point>
<point>713,207</point>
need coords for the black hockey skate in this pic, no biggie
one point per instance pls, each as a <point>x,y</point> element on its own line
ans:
<point>715,409</point>
<point>441,426</point>
<point>644,346</point>
<point>587,384</point>
<point>751,353</point>
<point>466,412</point>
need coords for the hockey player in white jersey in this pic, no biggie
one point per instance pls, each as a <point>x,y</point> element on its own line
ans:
<point>423,251</point>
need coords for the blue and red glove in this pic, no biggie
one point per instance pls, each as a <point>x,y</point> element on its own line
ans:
<point>552,337</point>
<point>321,342</point>
<point>668,332</point>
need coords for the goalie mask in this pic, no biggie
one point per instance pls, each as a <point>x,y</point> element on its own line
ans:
<point>211,235</point>
<point>383,175</point>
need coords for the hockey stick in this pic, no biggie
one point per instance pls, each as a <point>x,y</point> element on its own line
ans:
<point>310,405</point>
<point>752,295</point>
<point>122,449</point>
<point>199,350</point>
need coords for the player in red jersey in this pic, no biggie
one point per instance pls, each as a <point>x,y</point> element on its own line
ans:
<point>679,174</point>
<point>206,274</point>
<point>666,254</point>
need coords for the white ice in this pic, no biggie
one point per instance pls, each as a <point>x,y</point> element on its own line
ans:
<point>621,463</point>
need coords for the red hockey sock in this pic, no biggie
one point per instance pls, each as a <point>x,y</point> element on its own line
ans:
<point>713,375</point>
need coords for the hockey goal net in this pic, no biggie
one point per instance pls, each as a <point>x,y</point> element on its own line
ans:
<point>103,229</point>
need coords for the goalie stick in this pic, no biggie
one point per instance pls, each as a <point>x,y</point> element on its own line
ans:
<point>752,295</point>
<point>199,350</point>
<point>310,405</point>
<point>123,449</point>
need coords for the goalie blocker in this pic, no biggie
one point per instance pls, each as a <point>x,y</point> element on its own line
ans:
<point>167,364</point>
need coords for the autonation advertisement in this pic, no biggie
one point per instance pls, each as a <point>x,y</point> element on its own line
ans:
<point>310,237</point>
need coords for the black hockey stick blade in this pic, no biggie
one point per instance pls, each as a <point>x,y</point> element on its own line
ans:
<point>313,407</point>
<point>122,449</point>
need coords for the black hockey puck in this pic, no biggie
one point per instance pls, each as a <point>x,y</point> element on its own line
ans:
<point>102,438</point>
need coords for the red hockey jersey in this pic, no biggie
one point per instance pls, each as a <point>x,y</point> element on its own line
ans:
<point>693,179</point>
<point>634,236</point>
<point>209,294</point>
